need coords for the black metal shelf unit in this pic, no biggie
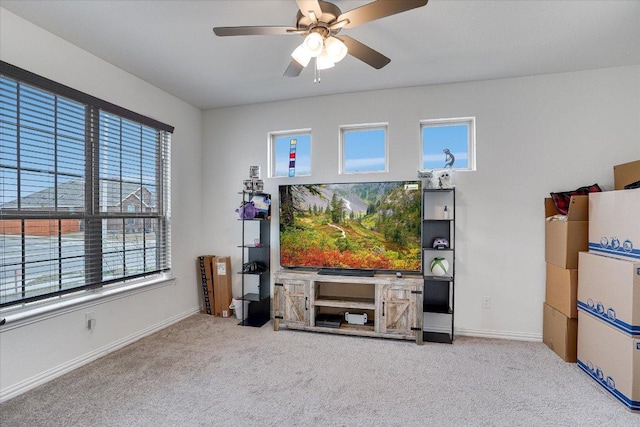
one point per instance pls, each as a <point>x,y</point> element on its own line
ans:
<point>438,298</point>
<point>256,284</point>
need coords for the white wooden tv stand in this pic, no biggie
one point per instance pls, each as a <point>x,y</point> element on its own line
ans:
<point>313,302</point>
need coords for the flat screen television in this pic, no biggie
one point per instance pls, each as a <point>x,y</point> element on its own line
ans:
<point>351,228</point>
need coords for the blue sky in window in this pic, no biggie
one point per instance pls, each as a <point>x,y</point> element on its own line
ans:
<point>282,149</point>
<point>364,150</point>
<point>439,137</point>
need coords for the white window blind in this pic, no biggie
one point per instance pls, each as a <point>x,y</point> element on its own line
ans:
<point>84,191</point>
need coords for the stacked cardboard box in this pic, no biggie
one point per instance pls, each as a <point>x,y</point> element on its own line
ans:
<point>222,286</point>
<point>214,278</point>
<point>615,229</point>
<point>625,174</point>
<point>564,239</point>
<point>609,296</point>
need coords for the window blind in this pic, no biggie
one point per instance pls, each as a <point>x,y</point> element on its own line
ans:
<point>84,191</point>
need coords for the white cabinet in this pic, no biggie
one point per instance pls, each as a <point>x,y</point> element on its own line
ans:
<point>313,302</point>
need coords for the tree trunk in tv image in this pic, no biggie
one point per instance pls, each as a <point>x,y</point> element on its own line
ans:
<point>355,225</point>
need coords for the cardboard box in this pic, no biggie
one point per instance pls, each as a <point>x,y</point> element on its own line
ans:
<point>562,290</point>
<point>614,226</point>
<point>560,333</point>
<point>204,273</point>
<point>626,173</point>
<point>611,359</point>
<point>565,239</point>
<point>609,289</point>
<point>222,286</point>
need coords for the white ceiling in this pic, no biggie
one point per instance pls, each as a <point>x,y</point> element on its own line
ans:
<point>171,45</point>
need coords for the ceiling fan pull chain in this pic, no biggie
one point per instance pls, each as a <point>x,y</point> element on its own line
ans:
<point>316,72</point>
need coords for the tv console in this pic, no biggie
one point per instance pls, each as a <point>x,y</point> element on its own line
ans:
<point>393,305</point>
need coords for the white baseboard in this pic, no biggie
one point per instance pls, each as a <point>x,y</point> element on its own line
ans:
<point>48,375</point>
<point>483,333</point>
<point>505,335</point>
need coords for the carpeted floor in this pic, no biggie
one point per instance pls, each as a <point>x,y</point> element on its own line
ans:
<point>207,371</point>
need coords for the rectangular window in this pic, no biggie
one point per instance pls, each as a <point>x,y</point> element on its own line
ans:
<point>290,153</point>
<point>84,191</point>
<point>448,143</point>
<point>363,148</point>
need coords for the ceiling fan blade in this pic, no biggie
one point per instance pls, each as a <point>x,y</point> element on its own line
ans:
<point>294,69</point>
<point>378,9</point>
<point>307,6</point>
<point>254,31</point>
<point>338,24</point>
<point>364,53</point>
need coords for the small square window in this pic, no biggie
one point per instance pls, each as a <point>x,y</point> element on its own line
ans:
<point>363,148</point>
<point>448,143</point>
<point>290,154</point>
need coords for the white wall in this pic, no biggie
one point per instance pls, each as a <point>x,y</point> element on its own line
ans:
<point>45,347</point>
<point>534,135</point>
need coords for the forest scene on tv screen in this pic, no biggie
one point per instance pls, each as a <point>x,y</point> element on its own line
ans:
<point>356,226</point>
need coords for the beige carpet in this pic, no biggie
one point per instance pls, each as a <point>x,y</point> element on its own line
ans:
<point>207,371</point>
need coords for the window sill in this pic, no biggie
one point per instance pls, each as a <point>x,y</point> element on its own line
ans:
<point>14,317</point>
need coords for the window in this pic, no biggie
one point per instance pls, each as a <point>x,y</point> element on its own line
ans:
<point>84,190</point>
<point>363,148</point>
<point>290,153</point>
<point>448,143</point>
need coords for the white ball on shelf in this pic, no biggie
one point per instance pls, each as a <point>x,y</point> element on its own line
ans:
<point>439,266</point>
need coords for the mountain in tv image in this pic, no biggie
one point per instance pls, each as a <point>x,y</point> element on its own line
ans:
<point>355,226</point>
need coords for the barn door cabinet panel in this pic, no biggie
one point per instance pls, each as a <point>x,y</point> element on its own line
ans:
<point>291,303</point>
<point>397,310</point>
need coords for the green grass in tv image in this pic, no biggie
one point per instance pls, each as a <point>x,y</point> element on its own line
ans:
<point>365,226</point>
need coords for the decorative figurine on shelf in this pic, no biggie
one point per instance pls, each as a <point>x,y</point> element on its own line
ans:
<point>247,211</point>
<point>428,178</point>
<point>444,179</point>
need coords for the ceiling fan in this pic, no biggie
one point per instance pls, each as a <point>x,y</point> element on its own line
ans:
<point>320,22</point>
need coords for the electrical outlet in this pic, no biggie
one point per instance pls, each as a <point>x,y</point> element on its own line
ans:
<point>486,302</point>
<point>89,320</point>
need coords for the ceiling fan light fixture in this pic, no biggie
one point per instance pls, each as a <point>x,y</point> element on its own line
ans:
<point>313,43</point>
<point>319,21</point>
<point>324,61</point>
<point>335,49</point>
<point>301,55</point>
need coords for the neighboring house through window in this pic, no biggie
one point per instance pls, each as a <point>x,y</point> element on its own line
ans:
<point>84,190</point>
